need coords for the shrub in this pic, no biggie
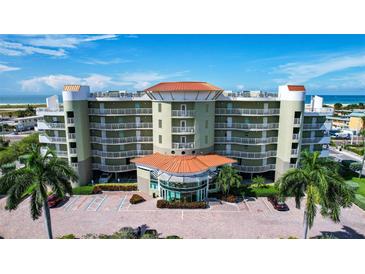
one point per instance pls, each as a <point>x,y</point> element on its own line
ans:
<point>181,204</point>
<point>67,236</point>
<point>96,190</point>
<point>149,236</point>
<point>118,187</point>
<point>173,237</point>
<point>23,158</point>
<point>136,199</point>
<point>229,198</point>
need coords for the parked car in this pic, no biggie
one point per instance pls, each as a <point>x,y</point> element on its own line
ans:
<point>105,178</point>
<point>53,200</point>
<point>277,204</point>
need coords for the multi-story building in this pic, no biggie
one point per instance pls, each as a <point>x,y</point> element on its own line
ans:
<point>177,134</point>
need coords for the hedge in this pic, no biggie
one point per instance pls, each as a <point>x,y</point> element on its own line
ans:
<point>360,201</point>
<point>117,187</point>
<point>136,199</point>
<point>83,190</point>
<point>181,204</point>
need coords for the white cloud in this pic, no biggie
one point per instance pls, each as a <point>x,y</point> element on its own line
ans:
<point>105,62</point>
<point>4,68</point>
<point>19,49</point>
<point>241,87</point>
<point>141,80</point>
<point>66,41</point>
<point>53,45</point>
<point>55,82</point>
<point>303,72</point>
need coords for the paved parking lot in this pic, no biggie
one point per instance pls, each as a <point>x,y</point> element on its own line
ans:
<point>107,212</point>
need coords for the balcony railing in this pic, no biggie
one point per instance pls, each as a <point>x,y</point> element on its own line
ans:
<point>121,154</point>
<point>73,150</point>
<point>42,124</point>
<point>294,152</point>
<point>297,121</point>
<point>61,153</point>
<point>114,168</point>
<point>49,112</point>
<point>182,145</point>
<point>72,136</point>
<point>120,111</point>
<point>246,126</point>
<point>295,136</point>
<point>312,126</point>
<point>75,165</point>
<point>142,139</point>
<point>70,120</point>
<point>248,155</point>
<point>254,169</point>
<point>114,126</point>
<point>316,140</point>
<point>246,141</point>
<point>183,113</point>
<point>243,111</point>
<point>44,138</point>
<point>183,129</point>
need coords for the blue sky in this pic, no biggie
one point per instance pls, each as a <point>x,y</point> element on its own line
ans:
<point>42,64</point>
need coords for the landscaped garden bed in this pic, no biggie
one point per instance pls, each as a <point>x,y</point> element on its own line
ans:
<point>136,199</point>
<point>99,188</point>
<point>181,204</point>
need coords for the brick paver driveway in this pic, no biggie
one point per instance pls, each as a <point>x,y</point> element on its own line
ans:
<point>107,212</point>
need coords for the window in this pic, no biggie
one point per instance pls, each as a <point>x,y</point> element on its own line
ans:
<point>159,107</point>
<point>206,123</point>
<point>183,107</point>
<point>183,139</point>
<point>183,123</point>
<point>160,123</point>
<point>206,139</point>
<point>160,139</point>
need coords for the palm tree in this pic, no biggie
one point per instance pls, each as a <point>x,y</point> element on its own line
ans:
<point>317,179</point>
<point>259,181</point>
<point>42,172</point>
<point>227,178</point>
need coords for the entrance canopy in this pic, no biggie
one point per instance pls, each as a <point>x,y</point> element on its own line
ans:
<point>185,164</point>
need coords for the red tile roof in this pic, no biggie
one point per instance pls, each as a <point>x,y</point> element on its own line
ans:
<point>183,86</point>
<point>296,88</point>
<point>183,164</point>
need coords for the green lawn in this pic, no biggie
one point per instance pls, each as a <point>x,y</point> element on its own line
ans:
<point>361,183</point>
<point>253,191</point>
<point>360,191</point>
<point>82,190</point>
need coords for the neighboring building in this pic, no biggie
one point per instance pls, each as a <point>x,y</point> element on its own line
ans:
<point>21,124</point>
<point>347,120</point>
<point>356,122</point>
<point>177,134</point>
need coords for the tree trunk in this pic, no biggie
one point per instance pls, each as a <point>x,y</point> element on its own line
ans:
<point>305,222</point>
<point>47,216</point>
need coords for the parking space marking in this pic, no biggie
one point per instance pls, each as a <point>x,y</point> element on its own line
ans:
<point>96,203</point>
<point>121,203</point>
<point>247,206</point>
<point>182,214</point>
<point>266,205</point>
<point>68,205</point>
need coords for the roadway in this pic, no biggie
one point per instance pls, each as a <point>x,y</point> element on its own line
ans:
<point>345,155</point>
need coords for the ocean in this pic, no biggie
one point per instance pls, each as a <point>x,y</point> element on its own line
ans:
<point>41,99</point>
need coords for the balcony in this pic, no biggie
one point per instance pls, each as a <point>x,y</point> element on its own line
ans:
<point>314,126</point>
<point>243,111</point>
<point>295,137</point>
<point>247,155</point>
<point>297,121</point>
<point>142,139</point>
<point>294,152</point>
<point>71,136</point>
<point>49,112</point>
<point>182,145</point>
<point>75,165</point>
<point>120,111</point>
<point>183,113</point>
<point>246,126</point>
<point>183,130</point>
<point>43,125</point>
<point>121,154</point>
<point>255,169</point>
<point>45,139</point>
<point>61,153</point>
<point>316,140</point>
<point>70,121</point>
<point>73,150</point>
<point>117,126</point>
<point>114,168</point>
<point>246,141</point>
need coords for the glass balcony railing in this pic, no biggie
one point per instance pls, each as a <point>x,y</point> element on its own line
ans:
<point>246,126</point>
<point>142,139</point>
<point>113,168</point>
<point>120,111</point>
<point>244,111</point>
<point>247,155</point>
<point>246,140</point>
<point>121,154</point>
<point>114,126</point>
